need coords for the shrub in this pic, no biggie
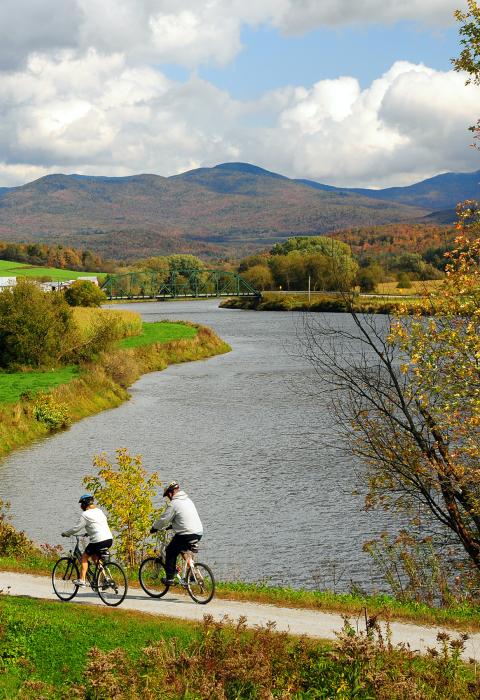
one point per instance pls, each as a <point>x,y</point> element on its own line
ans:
<point>51,412</point>
<point>36,327</point>
<point>126,494</point>
<point>12,542</point>
<point>84,293</point>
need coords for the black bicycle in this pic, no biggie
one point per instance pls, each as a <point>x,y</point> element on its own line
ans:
<point>106,578</point>
<point>195,577</point>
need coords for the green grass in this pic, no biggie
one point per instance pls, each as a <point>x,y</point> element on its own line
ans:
<point>159,332</point>
<point>55,637</point>
<point>16,269</point>
<point>14,384</point>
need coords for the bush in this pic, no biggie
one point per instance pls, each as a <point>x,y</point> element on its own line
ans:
<point>12,542</point>
<point>126,494</point>
<point>36,327</point>
<point>404,281</point>
<point>84,293</point>
<point>51,412</point>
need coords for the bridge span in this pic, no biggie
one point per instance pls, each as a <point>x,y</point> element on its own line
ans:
<point>177,284</point>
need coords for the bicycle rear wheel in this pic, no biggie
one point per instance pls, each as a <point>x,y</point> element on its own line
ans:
<point>200,583</point>
<point>112,584</point>
<point>150,575</point>
<point>64,573</point>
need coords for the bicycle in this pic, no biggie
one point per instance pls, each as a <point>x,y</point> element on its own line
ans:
<point>106,578</point>
<point>195,577</point>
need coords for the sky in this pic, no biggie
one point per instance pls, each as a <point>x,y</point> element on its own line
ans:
<point>345,92</point>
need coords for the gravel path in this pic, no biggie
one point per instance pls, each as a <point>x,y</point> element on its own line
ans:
<point>296,621</point>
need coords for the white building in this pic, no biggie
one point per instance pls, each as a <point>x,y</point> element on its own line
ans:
<point>7,283</point>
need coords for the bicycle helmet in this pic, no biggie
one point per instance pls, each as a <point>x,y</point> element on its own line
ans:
<point>173,486</point>
<point>86,500</point>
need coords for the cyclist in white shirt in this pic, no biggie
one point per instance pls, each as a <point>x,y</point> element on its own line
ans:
<point>94,522</point>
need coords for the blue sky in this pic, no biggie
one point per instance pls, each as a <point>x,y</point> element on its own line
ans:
<point>346,93</point>
<point>270,60</point>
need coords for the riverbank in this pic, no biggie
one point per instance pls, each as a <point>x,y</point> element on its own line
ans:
<point>277,301</point>
<point>100,385</point>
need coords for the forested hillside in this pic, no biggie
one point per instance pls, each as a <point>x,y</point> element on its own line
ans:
<point>233,207</point>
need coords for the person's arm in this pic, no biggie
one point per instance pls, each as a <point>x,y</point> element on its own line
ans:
<point>76,528</point>
<point>164,520</point>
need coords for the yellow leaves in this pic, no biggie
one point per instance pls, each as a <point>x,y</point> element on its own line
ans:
<point>125,490</point>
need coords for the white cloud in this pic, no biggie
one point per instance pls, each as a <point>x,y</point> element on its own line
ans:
<point>189,32</point>
<point>301,15</point>
<point>98,113</point>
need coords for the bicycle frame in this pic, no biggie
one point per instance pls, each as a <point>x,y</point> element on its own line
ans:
<point>93,569</point>
<point>188,561</point>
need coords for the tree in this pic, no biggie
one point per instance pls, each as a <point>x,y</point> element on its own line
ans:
<point>368,277</point>
<point>259,276</point>
<point>309,244</point>
<point>126,493</point>
<point>409,405</point>
<point>469,59</point>
<point>84,293</point>
<point>35,326</point>
<point>404,281</point>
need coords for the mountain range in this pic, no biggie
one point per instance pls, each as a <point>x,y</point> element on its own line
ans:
<point>229,208</point>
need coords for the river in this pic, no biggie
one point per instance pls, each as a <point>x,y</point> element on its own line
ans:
<point>277,504</point>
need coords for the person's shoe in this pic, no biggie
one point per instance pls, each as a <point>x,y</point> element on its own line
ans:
<point>168,581</point>
<point>79,582</point>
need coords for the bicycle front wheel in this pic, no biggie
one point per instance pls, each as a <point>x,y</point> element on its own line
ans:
<point>112,584</point>
<point>200,583</point>
<point>64,574</point>
<point>150,575</point>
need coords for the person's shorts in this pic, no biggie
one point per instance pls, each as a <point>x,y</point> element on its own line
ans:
<point>95,547</point>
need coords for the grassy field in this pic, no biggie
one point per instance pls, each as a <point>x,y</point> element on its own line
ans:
<point>418,287</point>
<point>16,269</point>
<point>159,332</point>
<point>54,638</point>
<point>52,650</point>
<point>14,384</point>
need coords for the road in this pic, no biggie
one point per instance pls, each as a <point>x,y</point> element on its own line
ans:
<point>312,623</point>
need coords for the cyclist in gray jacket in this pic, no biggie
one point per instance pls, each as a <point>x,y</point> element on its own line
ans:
<point>182,516</point>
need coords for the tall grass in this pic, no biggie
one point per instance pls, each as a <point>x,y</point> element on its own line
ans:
<point>56,651</point>
<point>128,322</point>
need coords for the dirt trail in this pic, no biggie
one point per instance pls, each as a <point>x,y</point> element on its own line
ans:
<point>296,621</point>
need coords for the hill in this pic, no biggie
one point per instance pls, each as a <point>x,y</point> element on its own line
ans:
<point>438,193</point>
<point>233,207</point>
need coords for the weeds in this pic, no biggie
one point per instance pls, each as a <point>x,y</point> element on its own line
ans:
<point>227,661</point>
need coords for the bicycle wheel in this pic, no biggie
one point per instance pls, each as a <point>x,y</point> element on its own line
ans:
<point>64,573</point>
<point>150,575</point>
<point>112,584</point>
<point>201,583</point>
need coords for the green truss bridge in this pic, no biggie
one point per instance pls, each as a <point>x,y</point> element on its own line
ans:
<point>177,284</point>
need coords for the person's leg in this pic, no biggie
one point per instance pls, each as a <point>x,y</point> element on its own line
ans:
<point>171,553</point>
<point>83,572</point>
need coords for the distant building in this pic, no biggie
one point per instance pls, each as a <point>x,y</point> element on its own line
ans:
<point>55,286</point>
<point>7,283</point>
<point>91,279</point>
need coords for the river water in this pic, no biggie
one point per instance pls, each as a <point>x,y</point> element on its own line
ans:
<point>276,503</point>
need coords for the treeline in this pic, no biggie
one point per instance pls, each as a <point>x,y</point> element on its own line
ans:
<point>329,264</point>
<point>59,256</point>
<point>317,261</point>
